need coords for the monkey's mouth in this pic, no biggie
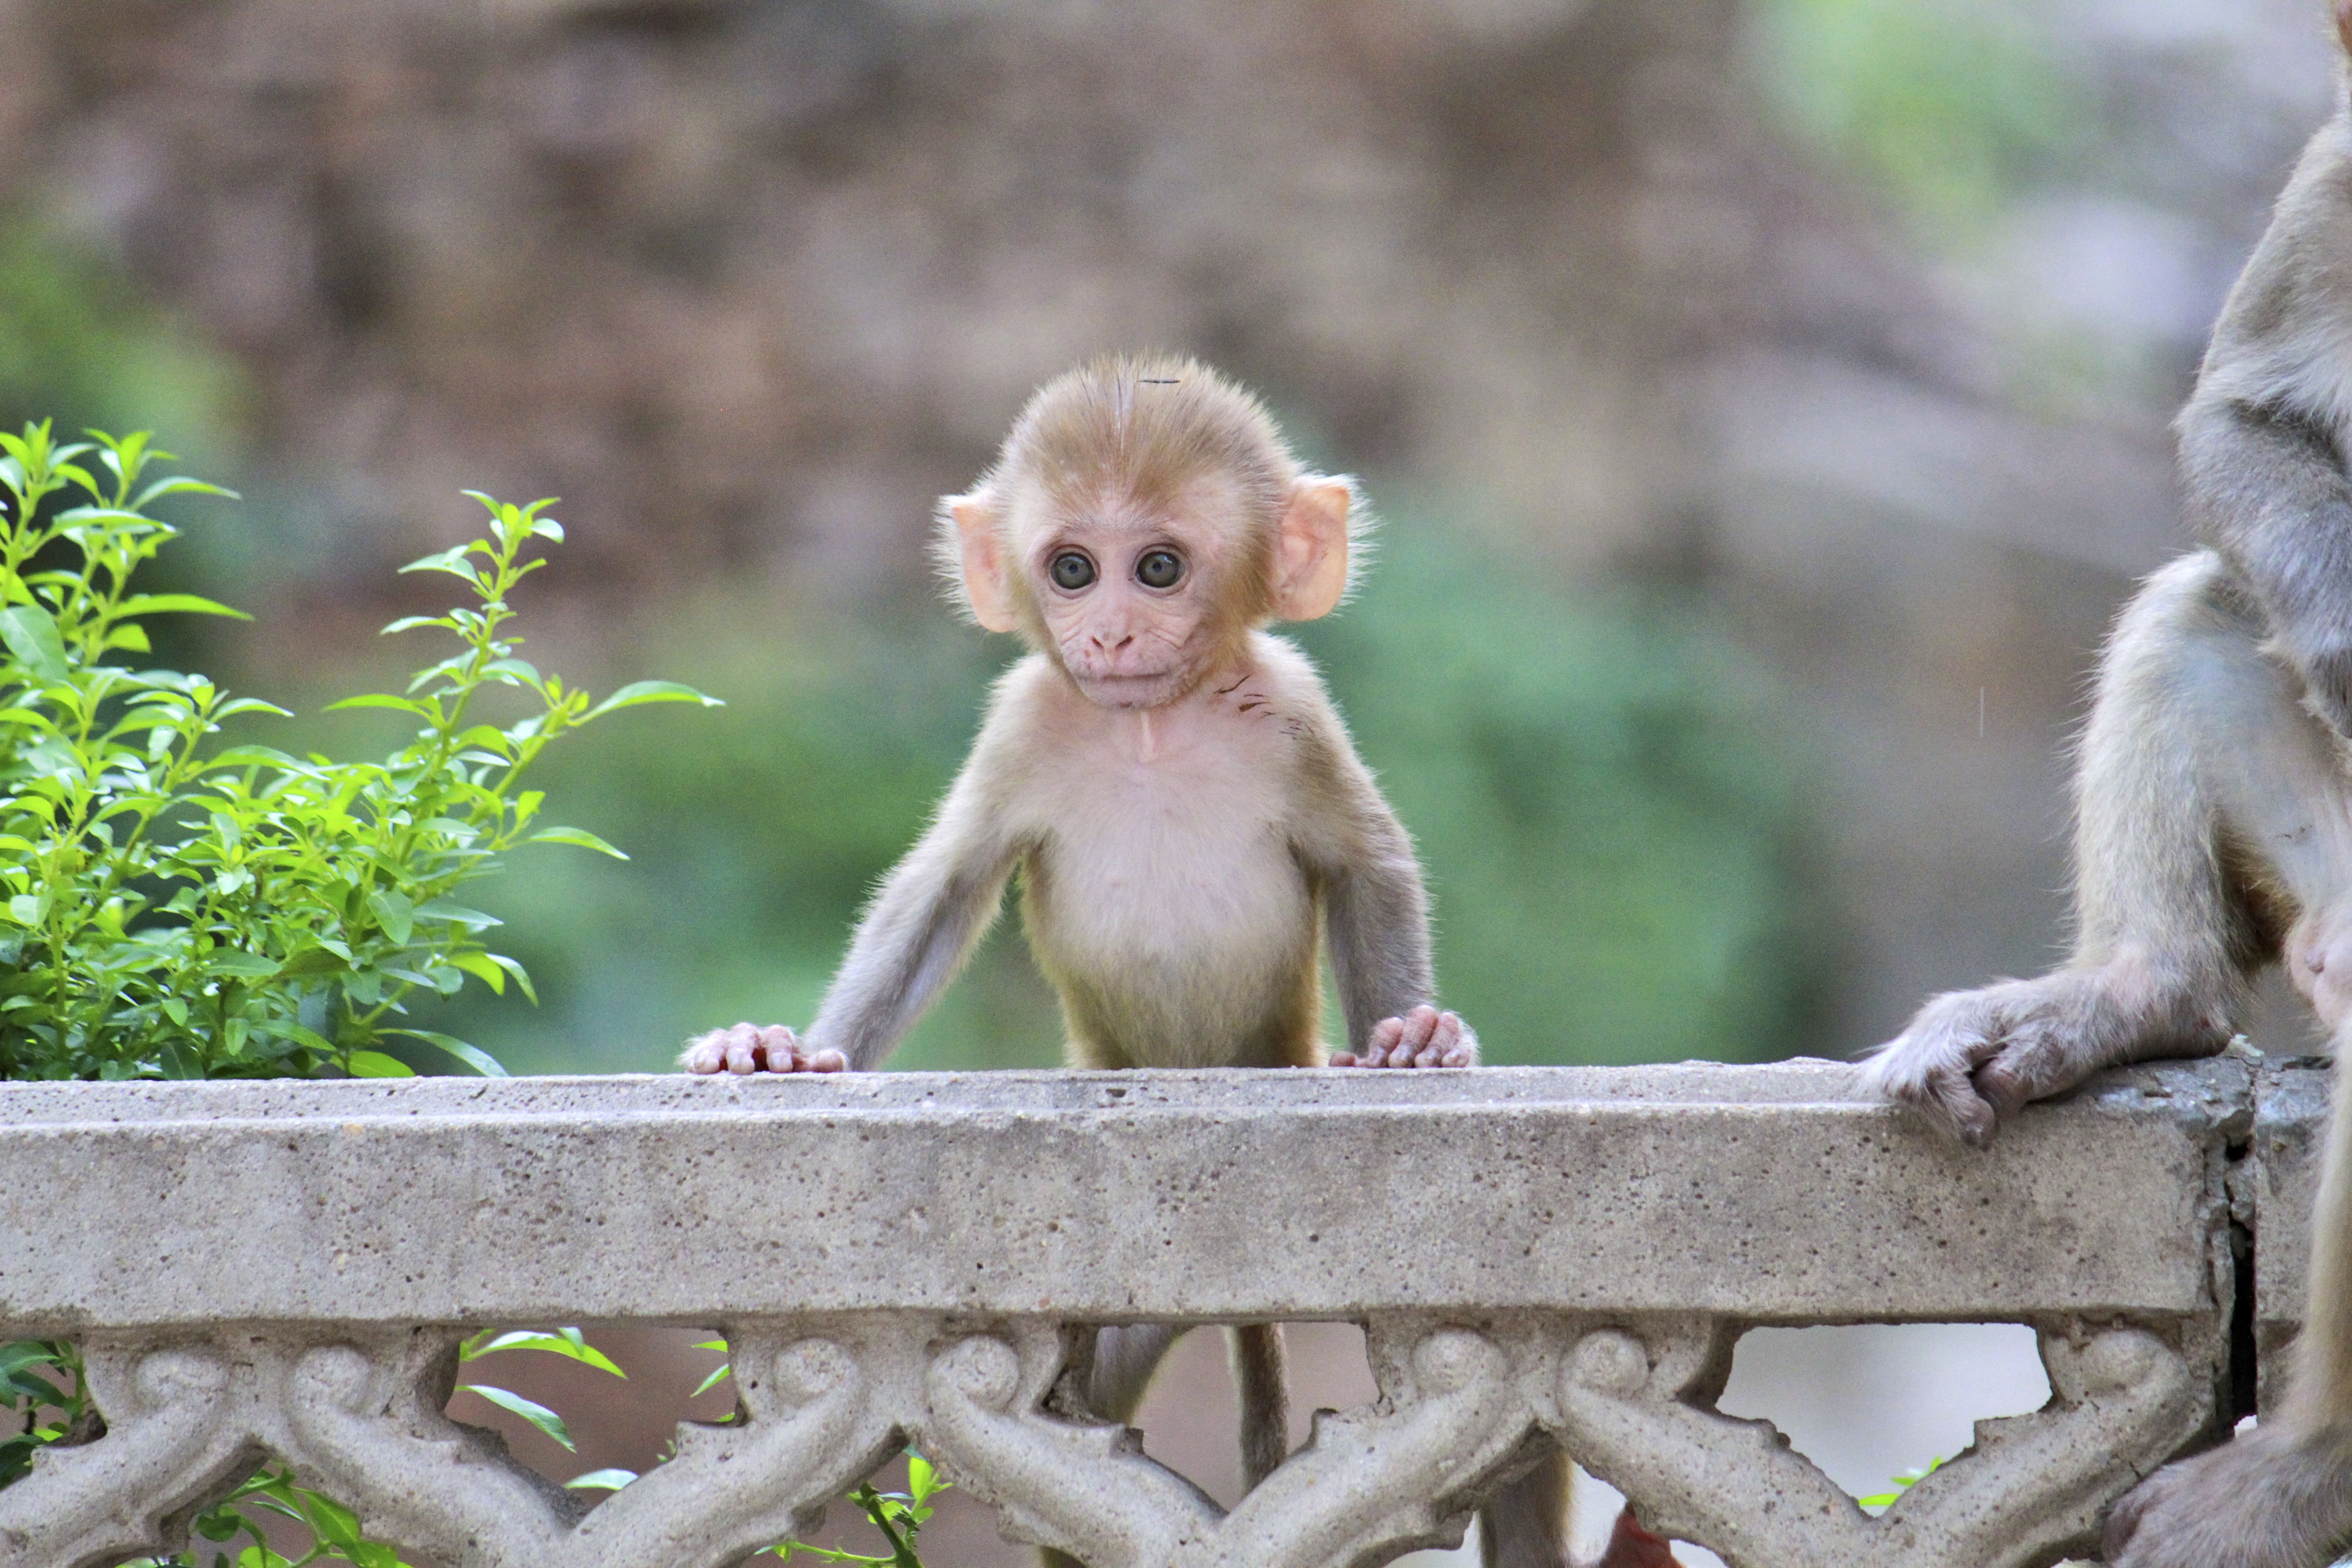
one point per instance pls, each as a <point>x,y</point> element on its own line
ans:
<point>1129,688</point>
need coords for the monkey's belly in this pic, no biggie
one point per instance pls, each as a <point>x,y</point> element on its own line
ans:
<point>1198,960</point>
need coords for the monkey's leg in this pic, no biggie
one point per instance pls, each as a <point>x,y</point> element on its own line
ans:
<point>2281,1496</point>
<point>1526,1526</point>
<point>1124,1358</point>
<point>1257,1360</point>
<point>2200,777</point>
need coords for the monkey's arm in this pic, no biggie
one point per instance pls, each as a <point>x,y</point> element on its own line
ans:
<point>1377,921</point>
<point>931,911</point>
<point>1376,918</point>
<point>920,927</point>
<point>2268,490</point>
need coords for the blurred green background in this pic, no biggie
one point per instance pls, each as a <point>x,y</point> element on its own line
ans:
<point>1716,745</point>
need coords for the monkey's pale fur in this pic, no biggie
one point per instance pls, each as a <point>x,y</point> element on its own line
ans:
<point>1190,823</point>
<point>2213,836</point>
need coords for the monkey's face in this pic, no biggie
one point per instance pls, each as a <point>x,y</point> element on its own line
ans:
<point>1139,604</point>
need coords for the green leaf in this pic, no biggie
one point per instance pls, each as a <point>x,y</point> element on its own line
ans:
<point>410,623</point>
<point>452,561</point>
<point>186,604</point>
<point>717,1377</point>
<point>379,699</point>
<point>641,692</point>
<point>474,1057</point>
<point>519,669</point>
<point>394,913</point>
<point>335,1524</point>
<point>538,1415</point>
<point>602,1480</point>
<point>478,965</point>
<point>30,633</point>
<point>245,965</point>
<point>579,836</point>
<point>567,1342</point>
<point>444,909</point>
<point>179,486</point>
<point>521,975</point>
<point>375,1064</point>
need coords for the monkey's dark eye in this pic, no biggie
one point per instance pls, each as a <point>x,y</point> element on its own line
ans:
<point>1072,570</point>
<point>1159,568</point>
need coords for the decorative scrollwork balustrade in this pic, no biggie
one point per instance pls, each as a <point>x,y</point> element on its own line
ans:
<point>1538,1256</point>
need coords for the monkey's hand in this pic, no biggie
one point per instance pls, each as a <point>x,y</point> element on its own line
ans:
<point>1972,1059</point>
<point>2270,1499</point>
<point>749,1049</point>
<point>1423,1037</point>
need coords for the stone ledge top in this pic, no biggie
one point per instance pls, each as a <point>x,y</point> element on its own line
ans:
<point>1766,1192</point>
<point>2219,1086</point>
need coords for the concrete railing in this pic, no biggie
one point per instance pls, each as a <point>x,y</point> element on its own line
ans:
<point>287,1268</point>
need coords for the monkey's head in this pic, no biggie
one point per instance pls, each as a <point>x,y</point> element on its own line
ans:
<point>1144,515</point>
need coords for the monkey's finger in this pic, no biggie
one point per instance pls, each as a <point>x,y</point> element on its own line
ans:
<point>1455,1045</point>
<point>1384,1037</point>
<point>1969,1114</point>
<point>705,1053</point>
<point>1411,1033</point>
<point>741,1044</point>
<point>1343,1059</point>
<point>826,1060</point>
<point>1442,1039</point>
<point>2037,1062</point>
<point>777,1047</point>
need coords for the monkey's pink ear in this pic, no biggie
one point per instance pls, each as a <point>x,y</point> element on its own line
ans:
<point>984,581</point>
<point>1311,565</point>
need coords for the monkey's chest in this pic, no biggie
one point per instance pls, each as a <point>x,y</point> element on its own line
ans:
<point>1172,885</point>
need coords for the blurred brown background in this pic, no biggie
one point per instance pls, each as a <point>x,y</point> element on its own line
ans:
<point>1767,400</point>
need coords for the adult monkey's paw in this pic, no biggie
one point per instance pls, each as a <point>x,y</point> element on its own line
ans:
<point>2268,1499</point>
<point>750,1048</point>
<point>1972,1059</point>
<point>1423,1037</point>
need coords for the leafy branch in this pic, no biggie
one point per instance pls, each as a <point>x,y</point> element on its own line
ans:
<point>173,911</point>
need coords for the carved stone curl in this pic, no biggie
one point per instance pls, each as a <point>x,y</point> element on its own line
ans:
<point>1631,1410</point>
<point>363,1421</point>
<point>1370,1483</point>
<point>171,1445</point>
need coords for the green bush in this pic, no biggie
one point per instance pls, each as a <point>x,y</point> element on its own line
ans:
<point>175,911</point>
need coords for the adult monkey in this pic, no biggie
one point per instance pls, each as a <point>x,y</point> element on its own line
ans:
<point>2213,797</point>
<point>1181,800</point>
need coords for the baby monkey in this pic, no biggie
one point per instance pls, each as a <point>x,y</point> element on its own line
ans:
<point>1172,783</point>
<point>1190,820</point>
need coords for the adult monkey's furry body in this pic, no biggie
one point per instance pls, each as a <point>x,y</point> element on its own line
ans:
<point>2214,836</point>
<point>1190,823</point>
